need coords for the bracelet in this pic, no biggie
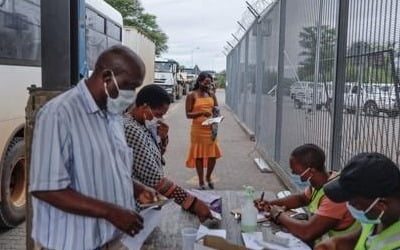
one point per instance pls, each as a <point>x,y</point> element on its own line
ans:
<point>188,203</point>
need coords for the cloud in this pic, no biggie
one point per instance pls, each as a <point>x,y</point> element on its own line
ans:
<point>206,24</point>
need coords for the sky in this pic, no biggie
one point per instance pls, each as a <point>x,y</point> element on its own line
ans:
<point>197,29</point>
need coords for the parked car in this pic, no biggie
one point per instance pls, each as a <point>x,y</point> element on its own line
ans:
<point>372,99</point>
<point>302,94</point>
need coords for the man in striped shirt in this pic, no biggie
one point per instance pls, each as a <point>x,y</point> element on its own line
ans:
<point>80,179</point>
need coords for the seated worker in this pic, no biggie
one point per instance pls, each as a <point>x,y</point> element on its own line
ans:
<point>370,186</point>
<point>152,102</point>
<point>327,217</point>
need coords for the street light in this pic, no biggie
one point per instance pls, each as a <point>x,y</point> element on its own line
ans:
<point>197,48</point>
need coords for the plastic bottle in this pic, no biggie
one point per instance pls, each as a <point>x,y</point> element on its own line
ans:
<point>249,211</point>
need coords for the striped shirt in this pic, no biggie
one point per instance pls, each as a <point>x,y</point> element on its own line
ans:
<point>76,145</point>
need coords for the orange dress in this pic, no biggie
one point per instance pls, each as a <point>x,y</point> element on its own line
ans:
<point>201,143</point>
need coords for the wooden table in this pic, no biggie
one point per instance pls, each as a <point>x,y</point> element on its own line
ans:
<point>168,234</point>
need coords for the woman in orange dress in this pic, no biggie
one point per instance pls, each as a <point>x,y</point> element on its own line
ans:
<point>204,149</point>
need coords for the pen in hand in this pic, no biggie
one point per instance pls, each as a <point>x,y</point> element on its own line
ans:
<point>262,196</point>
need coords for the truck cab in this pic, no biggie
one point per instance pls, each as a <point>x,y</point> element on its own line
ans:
<point>166,75</point>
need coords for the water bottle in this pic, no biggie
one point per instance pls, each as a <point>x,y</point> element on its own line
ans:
<point>249,211</point>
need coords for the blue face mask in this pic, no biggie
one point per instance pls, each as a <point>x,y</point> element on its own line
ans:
<point>361,215</point>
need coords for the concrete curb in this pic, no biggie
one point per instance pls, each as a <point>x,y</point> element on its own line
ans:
<point>282,175</point>
<point>244,127</point>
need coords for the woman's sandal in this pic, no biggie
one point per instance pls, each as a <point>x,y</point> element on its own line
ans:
<point>202,187</point>
<point>211,185</point>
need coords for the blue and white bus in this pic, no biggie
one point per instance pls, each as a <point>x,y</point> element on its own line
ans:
<point>20,53</point>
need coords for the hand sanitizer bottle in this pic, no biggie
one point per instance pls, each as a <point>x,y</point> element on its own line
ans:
<point>249,211</point>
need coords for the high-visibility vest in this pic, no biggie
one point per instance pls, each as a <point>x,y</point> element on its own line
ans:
<point>388,239</point>
<point>313,207</point>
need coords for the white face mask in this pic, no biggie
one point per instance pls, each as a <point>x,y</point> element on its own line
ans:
<point>124,99</point>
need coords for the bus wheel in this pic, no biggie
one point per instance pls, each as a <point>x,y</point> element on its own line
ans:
<point>13,185</point>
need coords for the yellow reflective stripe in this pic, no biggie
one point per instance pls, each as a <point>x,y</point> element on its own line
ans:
<point>352,228</point>
<point>388,239</point>
<point>316,197</point>
<point>366,231</point>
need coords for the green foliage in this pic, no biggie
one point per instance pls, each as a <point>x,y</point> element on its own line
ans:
<point>221,79</point>
<point>360,66</point>
<point>308,40</point>
<point>370,74</point>
<point>134,15</point>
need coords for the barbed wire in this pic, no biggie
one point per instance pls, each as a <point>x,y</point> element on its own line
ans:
<point>247,20</point>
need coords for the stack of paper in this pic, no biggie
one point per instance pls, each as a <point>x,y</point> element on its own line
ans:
<point>255,241</point>
<point>203,231</point>
<point>151,219</point>
<point>213,120</point>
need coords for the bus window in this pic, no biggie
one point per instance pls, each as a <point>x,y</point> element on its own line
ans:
<point>94,21</point>
<point>20,32</point>
<point>96,40</point>
<point>113,31</point>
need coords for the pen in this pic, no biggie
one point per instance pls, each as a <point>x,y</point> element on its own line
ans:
<point>262,196</point>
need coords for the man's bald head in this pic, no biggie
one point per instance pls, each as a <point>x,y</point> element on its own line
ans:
<point>121,60</point>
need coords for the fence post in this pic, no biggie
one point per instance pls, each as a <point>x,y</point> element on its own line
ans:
<point>259,77</point>
<point>340,79</point>
<point>245,78</point>
<point>317,56</point>
<point>281,72</point>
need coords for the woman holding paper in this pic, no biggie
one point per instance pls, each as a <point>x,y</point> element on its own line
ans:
<point>204,150</point>
<point>145,134</point>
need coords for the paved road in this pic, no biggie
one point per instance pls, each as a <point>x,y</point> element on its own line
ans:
<point>235,169</point>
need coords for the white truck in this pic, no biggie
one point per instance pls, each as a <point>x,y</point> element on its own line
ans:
<point>372,99</point>
<point>302,94</point>
<point>191,77</point>
<point>166,75</point>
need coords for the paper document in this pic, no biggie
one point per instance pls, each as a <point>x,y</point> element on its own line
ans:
<point>213,120</point>
<point>151,219</point>
<point>216,215</point>
<point>261,216</point>
<point>157,204</point>
<point>203,231</point>
<point>255,241</point>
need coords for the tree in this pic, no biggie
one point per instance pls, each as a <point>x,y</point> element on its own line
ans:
<point>134,15</point>
<point>221,79</point>
<point>308,40</point>
<point>369,63</point>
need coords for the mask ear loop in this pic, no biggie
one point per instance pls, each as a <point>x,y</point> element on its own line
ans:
<point>371,206</point>
<point>115,80</point>
<point>305,172</point>
<point>115,83</point>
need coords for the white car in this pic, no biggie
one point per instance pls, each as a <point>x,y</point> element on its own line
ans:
<point>302,94</point>
<point>372,99</point>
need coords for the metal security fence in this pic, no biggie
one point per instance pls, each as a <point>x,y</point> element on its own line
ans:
<point>323,72</point>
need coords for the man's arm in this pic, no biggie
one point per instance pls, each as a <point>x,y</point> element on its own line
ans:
<point>306,230</point>
<point>73,202</point>
<point>344,242</point>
